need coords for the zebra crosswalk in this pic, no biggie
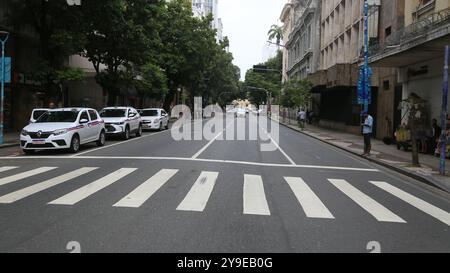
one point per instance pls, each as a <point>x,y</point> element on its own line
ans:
<point>254,195</point>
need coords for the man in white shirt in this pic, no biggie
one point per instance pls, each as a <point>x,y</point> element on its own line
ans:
<point>367,132</point>
<point>302,119</point>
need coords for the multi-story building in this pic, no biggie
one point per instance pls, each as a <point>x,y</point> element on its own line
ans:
<point>287,18</point>
<point>416,49</point>
<point>202,8</point>
<point>341,51</point>
<point>303,41</point>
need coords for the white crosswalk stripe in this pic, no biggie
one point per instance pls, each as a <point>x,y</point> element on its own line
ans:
<point>418,203</point>
<point>254,195</point>
<point>200,192</point>
<point>255,202</point>
<point>142,193</point>
<point>23,193</point>
<point>4,169</point>
<point>20,176</point>
<point>310,202</point>
<point>377,210</point>
<point>86,191</point>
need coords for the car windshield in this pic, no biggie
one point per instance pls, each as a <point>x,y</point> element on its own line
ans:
<point>112,113</point>
<point>38,113</point>
<point>58,116</point>
<point>149,113</point>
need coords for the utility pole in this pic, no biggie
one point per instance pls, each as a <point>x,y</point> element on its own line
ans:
<point>444,115</point>
<point>366,57</point>
<point>2,95</point>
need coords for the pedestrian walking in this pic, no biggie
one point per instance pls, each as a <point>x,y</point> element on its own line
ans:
<point>301,116</point>
<point>367,132</point>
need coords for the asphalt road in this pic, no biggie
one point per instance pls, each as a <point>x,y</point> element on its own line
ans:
<point>156,194</point>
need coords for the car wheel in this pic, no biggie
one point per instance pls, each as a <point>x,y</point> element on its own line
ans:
<point>139,131</point>
<point>75,144</point>
<point>167,126</point>
<point>160,126</point>
<point>28,152</point>
<point>101,139</point>
<point>126,135</point>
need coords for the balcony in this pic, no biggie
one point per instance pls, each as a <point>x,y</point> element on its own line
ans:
<point>420,41</point>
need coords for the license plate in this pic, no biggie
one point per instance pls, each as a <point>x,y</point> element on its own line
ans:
<point>39,142</point>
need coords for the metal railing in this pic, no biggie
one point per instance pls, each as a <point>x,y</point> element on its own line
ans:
<point>412,31</point>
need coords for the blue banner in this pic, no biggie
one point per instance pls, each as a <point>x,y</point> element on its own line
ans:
<point>364,85</point>
<point>7,71</point>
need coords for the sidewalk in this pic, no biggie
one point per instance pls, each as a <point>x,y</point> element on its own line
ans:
<point>385,155</point>
<point>10,140</point>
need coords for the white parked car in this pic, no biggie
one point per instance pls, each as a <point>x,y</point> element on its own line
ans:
<point>65,128</point>
<point>122,121</point>
<point>154,119</point>
<point>36,113</point>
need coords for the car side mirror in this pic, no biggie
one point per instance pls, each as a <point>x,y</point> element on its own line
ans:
<point>84,121</point>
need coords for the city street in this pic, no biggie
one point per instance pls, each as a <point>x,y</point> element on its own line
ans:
<point>156,194</point>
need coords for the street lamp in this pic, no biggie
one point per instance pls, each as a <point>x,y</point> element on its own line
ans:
<point>3,42</point>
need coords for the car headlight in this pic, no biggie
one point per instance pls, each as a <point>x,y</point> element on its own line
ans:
<point>156,121</point>
<point>119,123</point>
<point>60,132</point>
<point>24,133</point>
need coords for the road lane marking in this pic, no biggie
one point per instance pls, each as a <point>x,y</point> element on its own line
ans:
<point>310,202</point>
<point>211,142</point>
<point>278,147</point>
<point>20,176</point>
<point>86,191</point>
<point>199,160</point>
<point>124,142</point>
<point>4,169</point>
<point>23,193</point>
<point>200,192</point>
<point>418,203</point>
<point>255,202</point>
<point>377,210</point>
<point>146,190</point>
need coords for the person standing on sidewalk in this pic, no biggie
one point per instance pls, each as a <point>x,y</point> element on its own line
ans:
<point>367,132</point>
<point>301,116</point>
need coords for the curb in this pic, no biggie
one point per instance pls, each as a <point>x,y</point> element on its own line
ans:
<point>423,179</point>
<point>7,145</point>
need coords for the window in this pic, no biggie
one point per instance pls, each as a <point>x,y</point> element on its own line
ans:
<point>112,113</point>
<point>84,115</point>
<point>58,116</point>
<point>93,115</point>
<point>388,31</point>
<point>386,85</point>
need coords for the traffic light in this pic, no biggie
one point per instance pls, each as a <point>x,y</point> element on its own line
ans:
<point>260,68</point>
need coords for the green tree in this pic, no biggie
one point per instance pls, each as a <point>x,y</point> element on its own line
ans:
<point>269,80</point>
<point>55,24</point>
<point>115,40</point>
<point>297,93</point>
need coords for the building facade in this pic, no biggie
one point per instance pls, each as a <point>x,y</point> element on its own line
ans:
<point>416,50</point>
<point>341,53</point>
<point>202,8</point>
<point>303,41</point>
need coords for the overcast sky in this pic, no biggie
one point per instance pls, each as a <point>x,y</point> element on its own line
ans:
<point>246,23</point>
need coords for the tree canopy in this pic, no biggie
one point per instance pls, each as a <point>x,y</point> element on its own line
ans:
<point>152,46</point>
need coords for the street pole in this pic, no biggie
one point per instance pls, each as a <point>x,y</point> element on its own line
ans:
<point>3,41</point>
<point>444,115</point>
<point>366,56</point>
